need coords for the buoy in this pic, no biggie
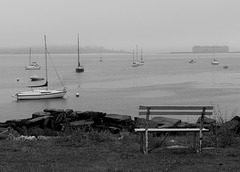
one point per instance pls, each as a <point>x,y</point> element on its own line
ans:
<point>17,79</point>
<point>77,94</point>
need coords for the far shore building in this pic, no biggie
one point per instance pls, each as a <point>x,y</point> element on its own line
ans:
<point>210,49</point>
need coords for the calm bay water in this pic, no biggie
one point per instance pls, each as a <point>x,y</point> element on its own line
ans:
<point>113,86</point>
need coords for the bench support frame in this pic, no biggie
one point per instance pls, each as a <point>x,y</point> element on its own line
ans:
<point>144,143</point>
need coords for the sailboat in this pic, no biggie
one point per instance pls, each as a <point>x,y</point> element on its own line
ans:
<point>79,67</point>
<point>137,62</point>
<point>36,94</point>
<point>214,62</point>
<point>134,64</point>
<point>101,59</point>
<point>141,60</point>
<point>32,65</point>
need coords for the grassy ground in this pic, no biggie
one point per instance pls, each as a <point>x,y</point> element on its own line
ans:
<point>104,152</point>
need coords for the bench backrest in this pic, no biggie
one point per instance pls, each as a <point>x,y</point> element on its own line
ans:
<point>175,110</point>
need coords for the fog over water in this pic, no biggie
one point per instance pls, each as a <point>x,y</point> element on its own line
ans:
<point>155,25</point>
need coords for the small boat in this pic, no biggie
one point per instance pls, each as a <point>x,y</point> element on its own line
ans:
<point>79,68</point>
<point>36,94</point>
<point>215,62</point>
<point>32,65</point>
<point>225,67</point>
<point>36,78</point>
<point>192,61</point>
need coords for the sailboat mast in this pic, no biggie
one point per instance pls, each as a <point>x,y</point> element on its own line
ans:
<point>30,57</point>
<point>133,56</point>
<point>78,53</point>
<point>137,53</point>
<point>46,60</point>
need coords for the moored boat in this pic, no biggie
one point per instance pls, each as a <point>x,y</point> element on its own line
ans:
<point>45,93</point>
<point>79,68</point>
<point>32,65</point>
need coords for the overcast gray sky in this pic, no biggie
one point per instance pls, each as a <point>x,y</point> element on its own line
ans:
<point>162,25</point>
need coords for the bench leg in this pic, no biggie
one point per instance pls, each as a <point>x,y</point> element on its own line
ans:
<point>141,141</point>
<point>194,141</point>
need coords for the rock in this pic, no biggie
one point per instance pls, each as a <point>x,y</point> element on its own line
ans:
<point>38,114</point>
<point>54,112</point>
<point>72,117</point>
<point>49,123</point>
<point>233,125</point>
<point>141,123</point>
<point>118,119</point>
<point>37,121</point>
<point>68,111</point>
<point>122,122</point>
<point>8,133</point>
<point>183,125</point>
<point>61,118</point>
<point>207,120</point>
<point>164,122</point>
<point>114,130</point>
<point>90,114</point>
<point>81,123</point>
<point>237,118</point>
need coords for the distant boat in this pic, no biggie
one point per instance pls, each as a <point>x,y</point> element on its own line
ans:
<point>79,67</point>
<point>36,78</point>
<point>41,93</point>
<point>192,61</point>
<point>100,59</point>
<point>141,60</point>
<point>32,65</point>
<point>215,62</point>
<point>134,64</point>
<point>137,62</point>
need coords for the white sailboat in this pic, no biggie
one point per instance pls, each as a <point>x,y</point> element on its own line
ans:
<point>32,65</point>
<point>36,94</point>
<point>79,67</point>
<point>134,64</point>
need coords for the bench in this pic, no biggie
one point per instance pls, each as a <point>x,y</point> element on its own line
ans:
<point>149,110</point>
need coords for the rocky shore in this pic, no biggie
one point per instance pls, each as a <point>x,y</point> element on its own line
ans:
<point>51,121</point>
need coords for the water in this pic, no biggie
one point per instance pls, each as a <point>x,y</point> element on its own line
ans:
<point>113,86</point>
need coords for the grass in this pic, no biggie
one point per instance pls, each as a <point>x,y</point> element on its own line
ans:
<point>94,151</point>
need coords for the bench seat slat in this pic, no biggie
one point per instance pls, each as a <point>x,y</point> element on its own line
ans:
<point>174,113</point>
<point>175,107</point>
<point>171,129</point>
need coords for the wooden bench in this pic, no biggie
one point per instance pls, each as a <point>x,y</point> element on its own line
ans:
<point>149,110</point>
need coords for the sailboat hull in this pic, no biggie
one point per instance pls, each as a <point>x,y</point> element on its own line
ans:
<point>40,94</point>
<point>32,67</point>
<point>79,69</point>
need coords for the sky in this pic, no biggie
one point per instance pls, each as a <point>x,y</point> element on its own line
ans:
<point>154,25</point>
